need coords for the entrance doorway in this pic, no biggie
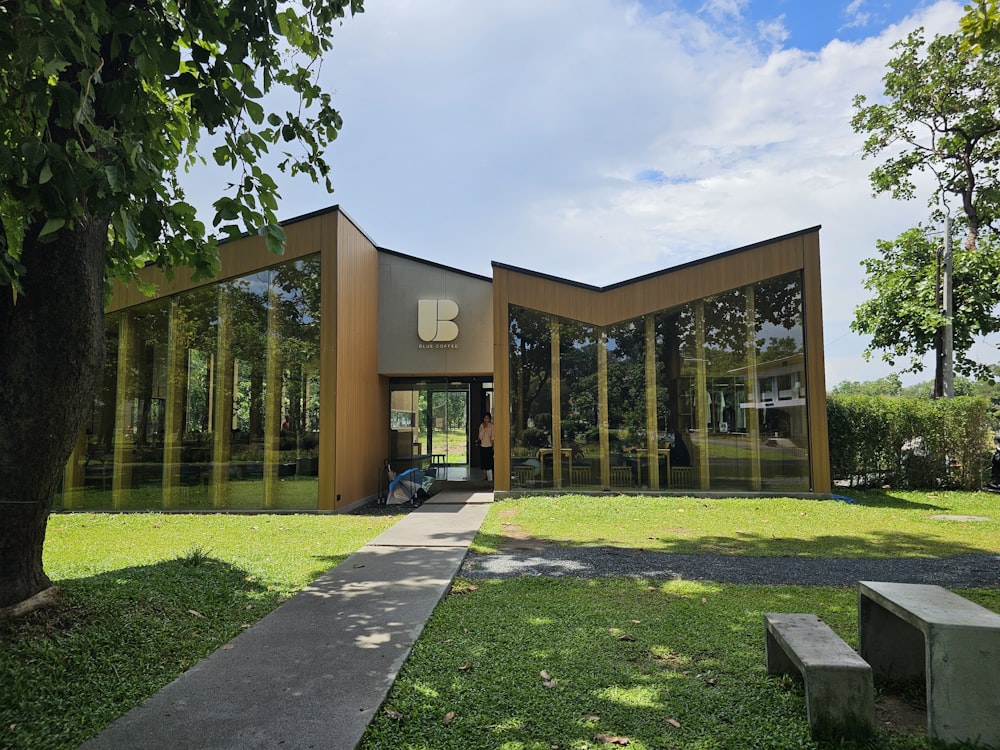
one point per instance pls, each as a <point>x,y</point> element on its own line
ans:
<point>433,424</point>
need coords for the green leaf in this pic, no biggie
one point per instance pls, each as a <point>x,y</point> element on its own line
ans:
<point>274,238</point>
<point>52,226</point>
<point>256,112</point>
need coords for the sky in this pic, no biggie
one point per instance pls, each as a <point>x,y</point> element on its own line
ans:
<point>601,140</point>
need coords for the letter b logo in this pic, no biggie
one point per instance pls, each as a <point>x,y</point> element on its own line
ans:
<point>435,320</point>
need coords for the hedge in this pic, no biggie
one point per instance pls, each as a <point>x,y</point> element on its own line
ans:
<point>904,442</point>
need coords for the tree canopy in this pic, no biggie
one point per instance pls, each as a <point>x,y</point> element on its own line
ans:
<point>905,314</point>
<point>981,25</point>
<point>103,104</point>
<point>942,116</point>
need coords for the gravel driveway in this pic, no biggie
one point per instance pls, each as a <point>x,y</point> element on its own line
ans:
<point>960,571</point>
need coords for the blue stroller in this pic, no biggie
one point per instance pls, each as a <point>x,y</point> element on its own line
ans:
<point>412,486</point>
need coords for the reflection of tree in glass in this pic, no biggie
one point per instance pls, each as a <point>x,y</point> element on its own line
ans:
<point>777,324</point>
<point>778,310</point>
<point>529,339</point>
<point>577,373</point>
<point>246,299</point>
<point>627,377</point>
<point>148,349</point>
<point>196,324</point>
<point>296,293</point>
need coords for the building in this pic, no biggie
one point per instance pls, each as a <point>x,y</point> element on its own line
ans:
<point>287,381</point>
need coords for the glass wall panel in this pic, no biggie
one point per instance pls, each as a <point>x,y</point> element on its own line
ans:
<point>191,407</point>
<point>630,465</point>
<point>663,366</point>
<point>295,346</point>
<point>210,399</point>
<point>676,375</point>
<point>726,439</point>
<point>140,395</point>
<point>709,395</point>
<point>530,342</point>
<point>780,384</point>
<point>575,462</point>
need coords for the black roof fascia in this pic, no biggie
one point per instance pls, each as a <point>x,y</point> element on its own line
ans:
<point>433,264</point>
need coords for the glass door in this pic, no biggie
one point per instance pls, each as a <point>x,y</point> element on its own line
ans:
<point>448,425</point>
<point>429,426</point>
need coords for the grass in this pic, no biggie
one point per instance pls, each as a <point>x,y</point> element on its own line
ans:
<point>676,664</point>
<point>543,664</point>
<point>880,524</point>
<point>562,664</point>
<point>145,596</point>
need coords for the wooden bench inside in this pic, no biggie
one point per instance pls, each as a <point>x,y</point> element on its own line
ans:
<point>840,697</point>
<point>908,630</point>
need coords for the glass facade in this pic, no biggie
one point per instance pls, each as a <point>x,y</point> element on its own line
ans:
<point>709,395</point>
<point>210,400</point>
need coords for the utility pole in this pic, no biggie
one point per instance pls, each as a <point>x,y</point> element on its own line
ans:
<point>948,391</point>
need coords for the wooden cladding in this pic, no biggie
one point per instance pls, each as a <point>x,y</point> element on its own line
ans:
<point>691,283</point>
<point>236,258</point>
<point>668,288</point>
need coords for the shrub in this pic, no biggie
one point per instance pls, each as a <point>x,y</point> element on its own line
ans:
<point>532,437</point>
<point>915,443</point>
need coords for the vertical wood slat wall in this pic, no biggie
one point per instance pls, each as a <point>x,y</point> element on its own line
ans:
<point>357,445</point>
<point>812,311</point>
<point>633,299</point>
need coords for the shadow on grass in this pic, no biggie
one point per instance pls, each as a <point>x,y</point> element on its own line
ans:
<point>114,639</point>
<point>875,545</point>
<point>886,499</point>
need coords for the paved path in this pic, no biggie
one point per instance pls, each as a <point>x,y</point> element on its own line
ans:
<point>312,673</point>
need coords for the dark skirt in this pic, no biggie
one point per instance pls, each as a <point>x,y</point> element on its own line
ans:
<point>485,457</point>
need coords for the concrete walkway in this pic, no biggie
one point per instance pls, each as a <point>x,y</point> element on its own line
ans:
<point>313,673</point>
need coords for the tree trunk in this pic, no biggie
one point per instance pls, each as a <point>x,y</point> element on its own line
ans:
<point>51,359</point>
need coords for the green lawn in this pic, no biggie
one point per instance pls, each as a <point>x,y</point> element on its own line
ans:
<point>883,524</point>
<point>676,664</point>
<point>536,664</point>
<point>552,664</point>
<point>145,596</point>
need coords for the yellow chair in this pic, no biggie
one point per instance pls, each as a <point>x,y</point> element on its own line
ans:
<point>580,475</point>
<point>523,475</point>
<point>621,476</point>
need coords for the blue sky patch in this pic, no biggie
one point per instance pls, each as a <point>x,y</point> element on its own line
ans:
<point>657,177</point>
<point>803,24</point>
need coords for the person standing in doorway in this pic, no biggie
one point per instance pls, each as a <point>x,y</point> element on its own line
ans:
<point>486,446</point>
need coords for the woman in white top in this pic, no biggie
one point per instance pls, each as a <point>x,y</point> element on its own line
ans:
<point>486,446</point>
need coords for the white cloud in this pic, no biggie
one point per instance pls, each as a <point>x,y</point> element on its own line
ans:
<point>859,16</point>
<point>597,140</point>
<point>724,9</point>
<point>773,32</point>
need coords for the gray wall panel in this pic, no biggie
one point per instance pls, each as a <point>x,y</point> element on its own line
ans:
<point>405,282</point>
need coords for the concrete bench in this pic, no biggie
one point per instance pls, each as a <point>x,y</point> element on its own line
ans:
<point>840,697</point>
<point>909,630</point>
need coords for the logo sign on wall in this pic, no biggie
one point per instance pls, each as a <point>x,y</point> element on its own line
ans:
<point>436,323</point>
